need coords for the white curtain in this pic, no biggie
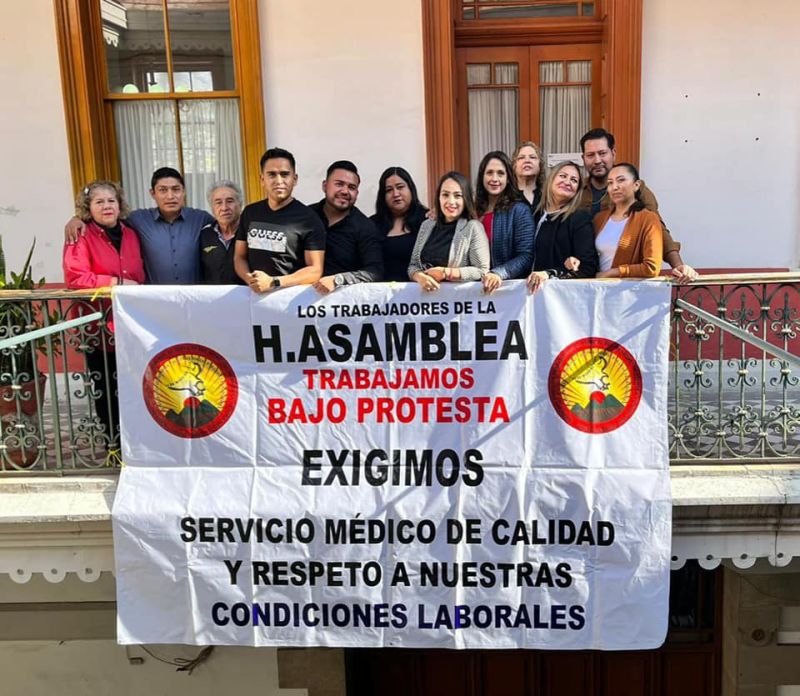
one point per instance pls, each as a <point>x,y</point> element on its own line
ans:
<point>211,145</point>
<point>493,123</point>
<point>147,140</point>
<point>565,111</point>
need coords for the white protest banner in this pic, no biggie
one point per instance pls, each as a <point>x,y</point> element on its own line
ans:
<point>385,467</point>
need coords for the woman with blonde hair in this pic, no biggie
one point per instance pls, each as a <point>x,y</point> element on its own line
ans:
<point>564,242</point>
<point>530,172</point>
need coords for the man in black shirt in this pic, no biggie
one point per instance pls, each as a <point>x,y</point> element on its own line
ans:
<point>217,238</point>
<point>353,246</point>
<point>280,242</point>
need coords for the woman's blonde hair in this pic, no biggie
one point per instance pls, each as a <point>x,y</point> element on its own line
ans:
<point>542,175</point>
<point>547,193</point>
<point>85,196</point>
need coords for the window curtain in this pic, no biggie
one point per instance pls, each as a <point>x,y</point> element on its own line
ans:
<point>565,110</point>
<point>493,123</point>
<point>147,139</point>
<point>493,113</point>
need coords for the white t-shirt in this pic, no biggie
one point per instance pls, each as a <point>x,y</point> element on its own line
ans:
<point>608,240</point>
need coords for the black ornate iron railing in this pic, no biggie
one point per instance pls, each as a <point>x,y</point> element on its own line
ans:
<point>729,400</point>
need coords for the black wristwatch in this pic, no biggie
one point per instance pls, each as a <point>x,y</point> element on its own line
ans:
<point>276,283</point>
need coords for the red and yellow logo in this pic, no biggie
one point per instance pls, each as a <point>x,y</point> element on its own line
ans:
<point>190,390</point>
<point>595,385</point>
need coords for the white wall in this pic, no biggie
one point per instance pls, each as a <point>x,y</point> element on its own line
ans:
<point>721,127</point>
<point>344,80</point>
<point>35,184</point>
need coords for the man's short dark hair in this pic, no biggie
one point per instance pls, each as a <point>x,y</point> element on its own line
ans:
<point>598,134</point>
<point>165,173</point>
<point>347,165</point>
<point>277,153</point>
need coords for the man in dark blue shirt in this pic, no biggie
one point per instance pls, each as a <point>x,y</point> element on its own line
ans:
<point>169,233</point>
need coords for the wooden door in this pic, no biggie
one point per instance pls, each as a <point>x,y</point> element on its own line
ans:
<point>507,94</point>
<point>688,664</point>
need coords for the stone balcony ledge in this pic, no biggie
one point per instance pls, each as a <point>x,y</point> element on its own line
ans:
<point>737,513</point>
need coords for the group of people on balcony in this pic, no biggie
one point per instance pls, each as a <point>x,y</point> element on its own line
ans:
<point>521,223</point>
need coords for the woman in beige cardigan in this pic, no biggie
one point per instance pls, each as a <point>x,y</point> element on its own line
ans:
<point>629,238</point>
<point>453,247</point>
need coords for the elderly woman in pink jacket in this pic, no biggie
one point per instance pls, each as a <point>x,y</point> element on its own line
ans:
<point>107,254</point>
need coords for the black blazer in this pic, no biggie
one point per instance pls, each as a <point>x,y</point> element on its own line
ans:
<point>559,239</point>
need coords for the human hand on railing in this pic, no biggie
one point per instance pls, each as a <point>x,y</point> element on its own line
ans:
<point>127,281</point>
<point>536,280</point>
<point>259,281</point>
<point>491,281</point>
<point>438,273</point>
<point>426,282</point>
<point>572,264</point>
<point>74,228</point>
<point>684,274</point>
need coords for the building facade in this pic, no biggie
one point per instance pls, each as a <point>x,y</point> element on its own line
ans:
<point>701,95</point>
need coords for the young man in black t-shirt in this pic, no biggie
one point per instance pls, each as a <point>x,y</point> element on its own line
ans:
<point>280,242</point>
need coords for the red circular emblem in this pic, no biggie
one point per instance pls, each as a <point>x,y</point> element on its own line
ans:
<point>595,385</point>
<point>190,390</point>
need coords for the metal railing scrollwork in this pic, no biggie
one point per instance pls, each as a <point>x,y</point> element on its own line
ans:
<point>734,388</point>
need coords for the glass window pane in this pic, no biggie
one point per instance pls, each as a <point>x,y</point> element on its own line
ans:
<point>551,71</point>
<point>564,118</point>
<point>146,140</point>
<point>479,74</point>
<point>211,145</point>
<point>133,34</point>
<point>588,9</point>
<point>493,123</point>
<point>469,13</point>
<point>202,49</point>
<point>530,11</point>
<point>506,73</point>
<point>579,71</point>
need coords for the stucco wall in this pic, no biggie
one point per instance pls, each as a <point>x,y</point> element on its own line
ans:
<point>35,184</point>
<point>344,80</point>
<point>103,668</point>
<point>720,127</point>
<point>755,662</point>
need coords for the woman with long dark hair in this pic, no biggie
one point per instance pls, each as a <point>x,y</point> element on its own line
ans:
<point>506,219</point>
<point>629,238</point>
<point>453,247</point>
<point>398,216</point>
<point>564,246</point>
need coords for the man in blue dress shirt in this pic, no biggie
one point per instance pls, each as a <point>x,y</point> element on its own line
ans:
<point>169,233</point>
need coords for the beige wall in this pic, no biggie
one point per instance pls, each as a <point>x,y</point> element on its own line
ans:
<point>754,663</point>
<point>35,184</point>
<point>103,668</point>
<point>720,127</point>
<point>344,80</point>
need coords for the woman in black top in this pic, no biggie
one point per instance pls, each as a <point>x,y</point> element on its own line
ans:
<point>529,171</point>
<point>398,215</point>
<point>564,242</point>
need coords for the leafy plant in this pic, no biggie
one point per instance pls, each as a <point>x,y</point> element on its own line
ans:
<point>17,317</point>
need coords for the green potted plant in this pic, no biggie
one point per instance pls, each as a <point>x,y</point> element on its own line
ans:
<point>16,317</point>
